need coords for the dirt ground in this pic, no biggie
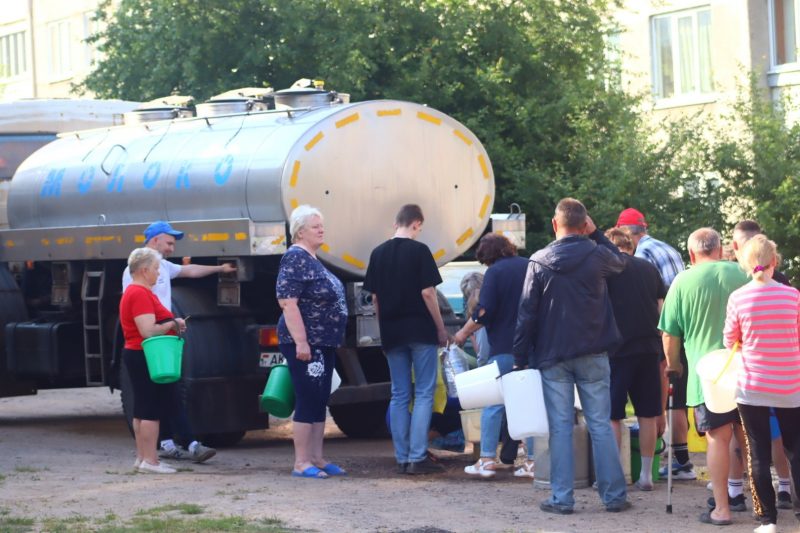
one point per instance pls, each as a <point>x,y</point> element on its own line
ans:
<point>66,453</point>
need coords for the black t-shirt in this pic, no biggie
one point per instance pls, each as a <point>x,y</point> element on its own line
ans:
<point>634,295</point>
<point>398,271</point>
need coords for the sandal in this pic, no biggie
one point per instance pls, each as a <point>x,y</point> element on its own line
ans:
<point>334,470</point>
<point>311,472</point>
<point>484,469</point>
<point>525,470</point>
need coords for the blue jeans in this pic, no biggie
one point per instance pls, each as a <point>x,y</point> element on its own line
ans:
<point>492,416</point>
<point>591,374</point>
<point>410,430</point>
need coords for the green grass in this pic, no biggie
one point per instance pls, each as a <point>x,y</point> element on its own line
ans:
<point>151,521</point>
<point>182,508</point>
<point>13,524</point>
<point>26,470</point>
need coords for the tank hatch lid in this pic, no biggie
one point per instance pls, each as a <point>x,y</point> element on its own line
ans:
<point>163,108</point>
<point>245,100</point>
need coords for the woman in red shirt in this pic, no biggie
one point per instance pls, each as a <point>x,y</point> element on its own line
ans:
<point>141,316</point>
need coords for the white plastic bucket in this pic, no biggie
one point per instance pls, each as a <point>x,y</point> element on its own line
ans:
<point>718,373</point>
<point>479,387</point>
<point>524,401</point>
<point>336,381</point>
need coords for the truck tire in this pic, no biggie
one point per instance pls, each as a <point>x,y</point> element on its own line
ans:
<point>223,440</point>
<point>361,420</point>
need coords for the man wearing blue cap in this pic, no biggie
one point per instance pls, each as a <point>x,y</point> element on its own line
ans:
<point>161,237</point>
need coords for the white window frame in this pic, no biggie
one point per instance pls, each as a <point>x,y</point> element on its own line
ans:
<point>785,73</point>
<point>679,98</point>
<point>19,58</point>
<point>59,51</point>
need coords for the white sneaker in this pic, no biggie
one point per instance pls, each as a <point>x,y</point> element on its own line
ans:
<point>644,486</point>
<point>481,468</point>
<point>136,463</point>
<point>526,469</point>
<point>201,453</point>
<point>766,528</point>
<point>160,468</point>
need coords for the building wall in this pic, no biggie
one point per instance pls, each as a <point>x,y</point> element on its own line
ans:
<point>53,56</point>
<point>739,43</point>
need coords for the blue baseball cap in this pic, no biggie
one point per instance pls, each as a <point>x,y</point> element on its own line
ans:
<point>160,226</point>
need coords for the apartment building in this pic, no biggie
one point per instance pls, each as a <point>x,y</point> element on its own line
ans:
<point>42,46</point>
<point>690,55</point>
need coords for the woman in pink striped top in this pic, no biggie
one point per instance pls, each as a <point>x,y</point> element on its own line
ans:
<point>764,317</point>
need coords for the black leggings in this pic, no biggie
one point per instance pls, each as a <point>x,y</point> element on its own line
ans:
<point>758,437</point>
<point>311,380</point>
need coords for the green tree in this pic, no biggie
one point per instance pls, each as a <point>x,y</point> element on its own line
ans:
<point>529,77</point>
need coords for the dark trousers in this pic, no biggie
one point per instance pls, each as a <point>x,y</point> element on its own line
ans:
<point>755,420</point>
<point>174,419</point>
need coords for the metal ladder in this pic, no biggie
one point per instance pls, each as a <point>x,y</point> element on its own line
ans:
<point>93,340</point>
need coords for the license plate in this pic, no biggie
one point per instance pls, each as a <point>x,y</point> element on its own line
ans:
<point>269,359</point>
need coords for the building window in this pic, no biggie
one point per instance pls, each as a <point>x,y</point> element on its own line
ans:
<point>783,27</point>
<point>682,53</point>
<point>60,50</point>
<point>13,57</point>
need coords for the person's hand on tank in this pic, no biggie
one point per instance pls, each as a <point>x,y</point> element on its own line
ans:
<point>228,268</point>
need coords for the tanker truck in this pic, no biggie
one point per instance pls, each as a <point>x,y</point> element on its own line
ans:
<point>228,178</point>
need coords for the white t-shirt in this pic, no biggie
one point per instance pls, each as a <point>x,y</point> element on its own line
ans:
<point>163,287</point>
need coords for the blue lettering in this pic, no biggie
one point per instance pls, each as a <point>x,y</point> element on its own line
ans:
<point>182,181</point>
<point>52,183</point>
<point>117,179</point>
<point>151,175</point>
<point>224,170</point>
<point>85,180</point>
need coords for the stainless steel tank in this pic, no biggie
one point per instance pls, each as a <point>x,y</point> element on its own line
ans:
<point>358,163</point>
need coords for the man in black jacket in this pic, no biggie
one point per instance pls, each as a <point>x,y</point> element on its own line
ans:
<point>565,328</point>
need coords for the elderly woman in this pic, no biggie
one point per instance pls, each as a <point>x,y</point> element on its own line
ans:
<point>310,329</point>
<point>141,316</point>
<point>498,301</point>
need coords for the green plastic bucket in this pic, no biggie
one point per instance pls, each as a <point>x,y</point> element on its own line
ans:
<point>278,397</point>
<point>164,354</point>
<point>636,456</point>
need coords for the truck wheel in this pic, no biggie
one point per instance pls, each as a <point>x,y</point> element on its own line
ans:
<point>361,420</point>
<point>223,440</point>
<point>126,395</point>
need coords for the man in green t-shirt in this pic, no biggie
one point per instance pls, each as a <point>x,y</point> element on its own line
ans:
<point>694,310</point>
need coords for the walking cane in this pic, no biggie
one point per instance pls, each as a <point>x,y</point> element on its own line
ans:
<point>671,377</point>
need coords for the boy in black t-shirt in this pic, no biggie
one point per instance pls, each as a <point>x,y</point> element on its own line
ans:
<point>402,277</point>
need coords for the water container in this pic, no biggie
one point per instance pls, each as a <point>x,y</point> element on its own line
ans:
<point>718,372</point>
<point>635,463</point>
<point>164,354</point>
<point>471,424</point>
<point>580,450</point>
<point>480,387</point>
<point>625,451</point>
<point>524,402</point>
<point>278,397</point>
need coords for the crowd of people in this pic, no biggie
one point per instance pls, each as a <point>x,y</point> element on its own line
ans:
<point>611,315</point>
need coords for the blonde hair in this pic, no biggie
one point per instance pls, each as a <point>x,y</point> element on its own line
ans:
<point>142,257</point>
<point>757,256</point>
<point>300,217</point>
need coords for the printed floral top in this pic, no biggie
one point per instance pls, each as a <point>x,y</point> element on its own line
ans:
<point>320,298</point>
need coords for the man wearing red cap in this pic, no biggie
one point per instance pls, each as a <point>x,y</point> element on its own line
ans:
<point>669,264</point>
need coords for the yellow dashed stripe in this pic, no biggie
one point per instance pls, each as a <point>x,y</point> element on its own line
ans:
<point>279,240</point>
<point>325,248</point>
<point>293,202</point>
<point>10,244</point>
<point>295,172</point>
<point>429,118</point>
<point>463,137</point>
<point>484,166</point>
<point>215,237</point>
<point>240,236</point>
<point>439,254</point>
<point>138,238</point>
<point>464,236</point>
<point>69,240</point>
<point>388,112</point>
<point>45,242</point>
<point>484,206</point>
<point>100,238</point>
<point>317,138</point>
<point>347,120</point>
<point>358,263</point>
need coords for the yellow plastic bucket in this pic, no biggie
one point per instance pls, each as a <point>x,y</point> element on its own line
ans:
<point>164,354</point>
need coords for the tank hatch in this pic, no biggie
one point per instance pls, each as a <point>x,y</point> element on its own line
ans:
<point>164,108</point>
<point>245,100</point>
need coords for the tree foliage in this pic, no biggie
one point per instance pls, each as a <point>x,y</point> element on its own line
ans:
<point>529,77</point>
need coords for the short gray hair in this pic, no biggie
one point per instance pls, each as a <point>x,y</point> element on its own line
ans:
<point>704,241</point>
<point>300,217</point>
<point>142,257</point>
<point>634,229</point>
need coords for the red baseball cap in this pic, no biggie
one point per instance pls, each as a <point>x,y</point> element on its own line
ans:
<point>631,217</point>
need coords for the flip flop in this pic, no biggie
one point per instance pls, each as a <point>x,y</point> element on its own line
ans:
<point>334,470</point>
<point>311,472</point>
<point>706,518</point>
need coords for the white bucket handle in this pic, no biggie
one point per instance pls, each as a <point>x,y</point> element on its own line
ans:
<point>727,363</point>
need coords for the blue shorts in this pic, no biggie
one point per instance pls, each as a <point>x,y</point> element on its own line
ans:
<point>311,380</point>
<point>774,429</point>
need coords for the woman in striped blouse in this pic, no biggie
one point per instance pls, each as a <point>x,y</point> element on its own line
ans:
<point>764,317</point>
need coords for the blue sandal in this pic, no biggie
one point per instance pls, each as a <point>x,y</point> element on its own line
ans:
<point>334,470</point>
<point>312,472</point>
